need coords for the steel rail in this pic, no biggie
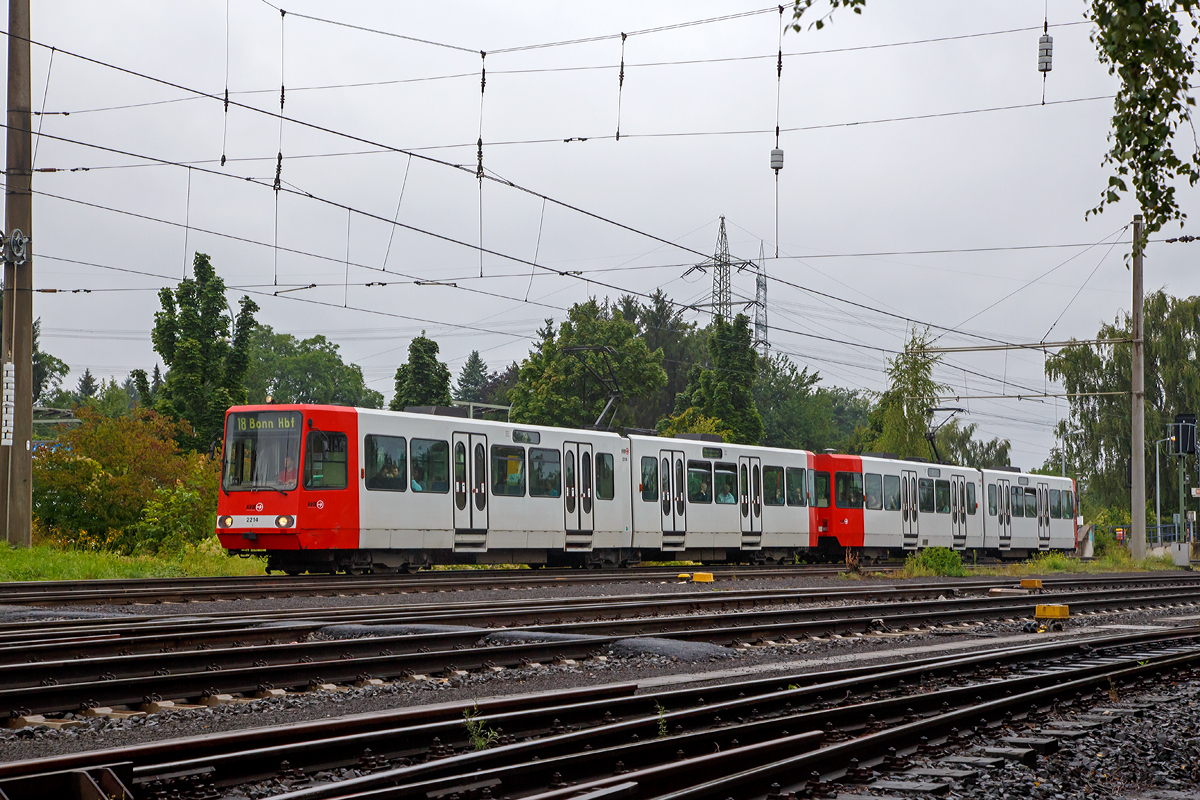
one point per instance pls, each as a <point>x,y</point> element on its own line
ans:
<point>133,679</point>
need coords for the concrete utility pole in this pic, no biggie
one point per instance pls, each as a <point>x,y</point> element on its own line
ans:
<point>18,277</point>
<point>1137,443</point>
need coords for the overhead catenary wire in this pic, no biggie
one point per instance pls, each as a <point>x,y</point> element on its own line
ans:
<point>225,116</point>
<point>45,94</point>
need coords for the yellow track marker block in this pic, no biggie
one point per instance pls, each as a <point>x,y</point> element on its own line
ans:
<point>1052,612</point>
<point>1031,583</point>
<point>702,577</point>
<point>684,575</point>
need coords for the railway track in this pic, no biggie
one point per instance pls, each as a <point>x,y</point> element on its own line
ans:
<point>58,668</point>
<point>803,735</point>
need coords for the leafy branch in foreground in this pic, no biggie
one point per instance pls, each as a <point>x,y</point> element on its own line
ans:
<point>1145,45</point>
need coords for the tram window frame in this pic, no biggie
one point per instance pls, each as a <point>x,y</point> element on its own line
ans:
<point>873,491</point>
<point>372,470</point>
<point>1031,502</point>
<point>991,499</point>
<point>941,496</point>
<point>780,498</point>
<point>1016,500</point>
<point>547,483</point>
<point>891,493</point>
<point>971,504</point>
<point>801,500</point>
<point>847,491</point>
<point>821,489</point>
<point>1055,504</point>
<point>606,475</point>
<point>436,470</point>
<point>503,485</point>
<point>649,484</point>
<point>730,473</point>
<point>1068,502</point>
<point>332,442</point>
<point>702,469</point>
<point>925,503</point>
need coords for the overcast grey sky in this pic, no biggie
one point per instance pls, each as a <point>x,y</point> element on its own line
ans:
<point>1010,178</point>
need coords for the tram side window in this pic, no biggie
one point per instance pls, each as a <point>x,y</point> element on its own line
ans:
<point>726,484</point>
<point>797,492</point>
<point>971,498</point>
<point>545,472</point>
<point>430,465</point>
<point>991,499</point>
<point>873,491</point>
<point>605,481</point>
<point>942,493</point>
<point>650,479</point>
<point>325,461</point>
<point>925,495</point>
<point>891,492</point>
<point>773,493</point>
<point>821,498</point>
<point>1031,502</point>
<point>848,489</point>
<point>386,463</point>
<point>1068,504</point>
<point>508,471</point>
<point>699,482</point>
<point>1018,501</point>
<point>1055,504</point>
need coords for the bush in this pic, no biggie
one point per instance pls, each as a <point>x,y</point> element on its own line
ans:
<point>177,516</point>
<point>935,562</point>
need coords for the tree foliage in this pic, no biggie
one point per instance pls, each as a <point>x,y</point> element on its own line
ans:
<point>726,391</point>
<point>87,386</point>
<point>91,488</point>
<point>556,386</point>
<point>796,413</point>
<point>206,365</point>
<point>423,381</point>
<point>1144,44</point>
<point>48,371</point>
<point>289,370</point>
<point>957,445</point>
<point>661,326</point>
<point>1101,449</point>
<point>472,379</point>
<point>901,418</point>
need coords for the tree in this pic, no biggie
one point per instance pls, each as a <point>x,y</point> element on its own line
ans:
<point>957,445</point>
<point>558,386</point>
<point>1097,380</point>
<point>796,413</point>
<point>48,371</point>
<point>495,390</point>
<point>661,326</point>
<point>471,380</point>
<point>289,370</point>
<point>1144,45</point>
<point>726,391</point>
<point>206,365</point>
<point>423,381</point>
<point>87,386</point>
<point>902,416</point>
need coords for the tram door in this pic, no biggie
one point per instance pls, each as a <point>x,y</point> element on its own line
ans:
<point>673,487</point>
<point>578,496</point>
<point>1043,509</point>
<point>750,500</point>
<point>1004,513</point>
<point>958,510</point>
<point>908,508</point>
<point>470,482</point>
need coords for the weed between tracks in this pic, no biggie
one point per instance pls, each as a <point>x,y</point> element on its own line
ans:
<point>480,735</point>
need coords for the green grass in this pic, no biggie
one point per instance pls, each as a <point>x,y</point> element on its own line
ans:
<point>45,563</point>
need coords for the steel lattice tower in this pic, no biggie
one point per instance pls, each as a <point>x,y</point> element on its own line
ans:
<point>760,304</point>
<point>722,296</point>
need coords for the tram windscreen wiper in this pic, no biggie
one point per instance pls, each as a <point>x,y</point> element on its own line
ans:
<point>272,488</point>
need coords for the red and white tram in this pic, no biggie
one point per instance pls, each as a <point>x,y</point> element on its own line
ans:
<point>332,488</point>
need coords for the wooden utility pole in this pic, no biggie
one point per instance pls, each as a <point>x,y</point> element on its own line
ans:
<point>18,277</point>
<point>1137,443</point>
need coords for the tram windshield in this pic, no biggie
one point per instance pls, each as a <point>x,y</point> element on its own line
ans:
<point>262,450</point>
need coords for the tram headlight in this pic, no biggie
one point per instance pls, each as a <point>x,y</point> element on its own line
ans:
<point>225,522</point>
<point>284,521</point>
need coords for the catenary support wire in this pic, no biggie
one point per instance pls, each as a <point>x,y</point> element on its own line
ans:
<point>42,116</point>
<point>620,86</point>
<point>396,216</point>
<point>225,123</point>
